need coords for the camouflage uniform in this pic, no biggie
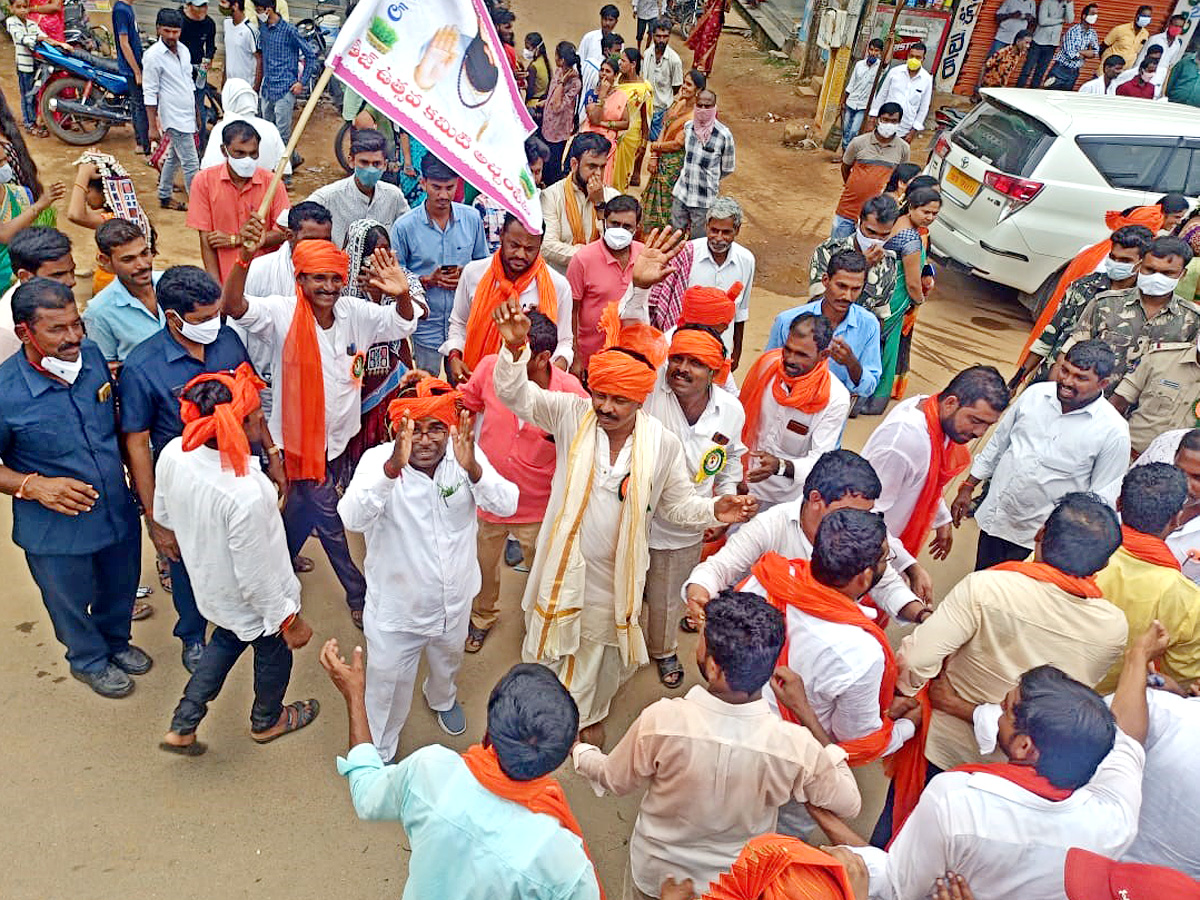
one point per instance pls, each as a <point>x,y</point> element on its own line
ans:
<point>881,277</point>
<point>1080,293</point>
<point>1119,319</point>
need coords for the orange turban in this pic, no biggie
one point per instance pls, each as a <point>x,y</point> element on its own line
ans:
<point>614,371</point>
<point>435,399</point>
<point>709,306</point>
<point>225,421</point>
<point>645,339</point>
<point>703,346</point>
<point>774,867</point>
<point>303,379</point>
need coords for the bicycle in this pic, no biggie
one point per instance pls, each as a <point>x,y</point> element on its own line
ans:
<point>684,13</point>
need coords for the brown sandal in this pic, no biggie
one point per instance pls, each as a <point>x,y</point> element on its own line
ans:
<point>299,714</point>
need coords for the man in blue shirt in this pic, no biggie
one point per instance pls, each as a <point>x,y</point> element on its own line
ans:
<point>194,342</point>
<point>73,514</point>
<point>435,241</point>
<point>279,81</point>
<point>490,822</point>
<point>854,353</point>
<point>129,61</point>
<point>126,312</point>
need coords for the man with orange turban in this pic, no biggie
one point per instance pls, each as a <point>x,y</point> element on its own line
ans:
<point>222,509</point>
<point>517,271</point>
<point>419,589</point>
<point>709,424</point>
<point>795,410</point>
<point>617,467</point>
<point>318,340</point>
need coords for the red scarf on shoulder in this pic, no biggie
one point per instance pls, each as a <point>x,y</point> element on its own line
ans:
<point>1022,776</point>
<point>1148,548</point>
<point>946,462</point>
<point>1040,571</point>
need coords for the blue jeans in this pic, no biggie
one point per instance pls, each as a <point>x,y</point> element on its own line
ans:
<point>89,597</point>
<point>280,112</point>
<point>656,121</point>
<point>427,358</point>
<point>272,672</point>
<point>28,99</point>
<point>191,626</point>
<point>312,506</point>
<point>1036,62</point>
<point>182,153</point>
<point>842,227</point>
<point>852,120</point>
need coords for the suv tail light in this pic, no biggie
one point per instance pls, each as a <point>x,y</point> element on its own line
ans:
<point>1018,189</point>
<point>942,147</point>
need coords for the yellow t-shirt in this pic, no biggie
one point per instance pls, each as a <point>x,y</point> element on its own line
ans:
<point>1126,41</point>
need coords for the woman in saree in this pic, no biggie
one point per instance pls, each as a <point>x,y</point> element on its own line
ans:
<point>24,202</point>
<point>908,242</point>
<point>608,114</point>
<point>383,364</point>
<point>705,35</point>
<point>666,154</point>
<point>640,107</point>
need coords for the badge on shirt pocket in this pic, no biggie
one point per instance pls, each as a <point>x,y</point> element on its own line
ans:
<point>358,366</point>
<point>797,427</point>
<point>105,393</point>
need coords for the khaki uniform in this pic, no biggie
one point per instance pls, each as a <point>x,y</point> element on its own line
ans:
<point>1166,391</point>
<point>881,277</point>
<point>1119,319</point>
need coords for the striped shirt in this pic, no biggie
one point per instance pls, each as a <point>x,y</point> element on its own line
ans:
<point>281,46</point>
<point>1077,39</point>
<point>704,165</point>
<point>25,33</point>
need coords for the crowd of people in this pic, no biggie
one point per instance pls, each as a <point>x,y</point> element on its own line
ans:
<point>580,405</point>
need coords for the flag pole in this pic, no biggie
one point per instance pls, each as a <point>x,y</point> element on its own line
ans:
<point>301,124</point>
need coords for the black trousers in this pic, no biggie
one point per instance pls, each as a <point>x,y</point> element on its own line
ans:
<point>883,828</point>
<point>1037,60</point>
<point>993,550</point>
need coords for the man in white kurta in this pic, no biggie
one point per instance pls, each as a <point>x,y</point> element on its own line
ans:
<point>583,598</point>
<point>416,506</point>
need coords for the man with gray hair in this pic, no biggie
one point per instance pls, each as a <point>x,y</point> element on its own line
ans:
<point>708,156</point>
<point>713,260</point>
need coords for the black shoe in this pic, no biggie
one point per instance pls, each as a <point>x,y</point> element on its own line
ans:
<point>133,660</point>
<point>191,656</point>
<point>512,553</point>
<point>110,682</point>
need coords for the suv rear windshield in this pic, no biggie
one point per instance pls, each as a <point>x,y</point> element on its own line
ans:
<point>1159,164</point>
<point>1004,138</point>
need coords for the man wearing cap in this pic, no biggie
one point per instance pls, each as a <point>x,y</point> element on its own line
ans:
<point>617,467</point>
<point>318,341</point>
<point>709,424</point>
<point>223,511</point>
<point>419,591</point>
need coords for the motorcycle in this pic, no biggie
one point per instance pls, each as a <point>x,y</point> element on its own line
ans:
<point>81,95</point>
<point>320,32</point>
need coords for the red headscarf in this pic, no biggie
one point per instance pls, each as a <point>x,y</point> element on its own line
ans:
<point>702,346</point>
<point>709,306</point>
<point>302,399</point>
<point>614,371</point>
<point>225,421</point>
<point>435,399</point>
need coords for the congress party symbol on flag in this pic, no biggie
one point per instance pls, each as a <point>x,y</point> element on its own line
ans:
<point>437,69</point>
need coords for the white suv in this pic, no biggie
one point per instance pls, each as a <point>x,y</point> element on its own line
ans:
<point>1028,175</point>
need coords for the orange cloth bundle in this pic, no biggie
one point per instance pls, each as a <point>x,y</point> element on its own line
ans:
<point>613,371</point>
<point>302,399</point>
<point>1040,571</point>
<point>807,394</point>
<point>435,399</point>
<point>702,346</point>
<point>494,288</point>
<point>645,339</point>
<point>225,422</point>
<point>710,306</point>
<point>776,867</point>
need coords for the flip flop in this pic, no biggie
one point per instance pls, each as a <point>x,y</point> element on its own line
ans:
<point>475,638</point>
<point>299,714</point>
<point>141,611</point>
<point>686,624</point>
<point>302,564</point>
<point>356,616</point>
<point>670,671</point>
<point>195,748</point>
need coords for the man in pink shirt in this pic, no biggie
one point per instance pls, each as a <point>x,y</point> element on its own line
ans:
<point>600,272</point>
<point>522,454</point>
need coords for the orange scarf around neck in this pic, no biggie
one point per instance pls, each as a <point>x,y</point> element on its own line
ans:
<point>807,394</point>
<point>1148,548</point>
<point>1040,571</point>
<point>541,795</point>
<point>574,215</point>
<point>792,584</point>
<point>494,288</point>
<point>946,462</point>
<point>1022,776</point>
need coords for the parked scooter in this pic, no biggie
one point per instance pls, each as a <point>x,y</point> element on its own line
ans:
<point>93,96</point>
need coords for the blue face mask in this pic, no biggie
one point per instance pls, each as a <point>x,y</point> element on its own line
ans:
<point>871,60</point>
<point>368,176</point>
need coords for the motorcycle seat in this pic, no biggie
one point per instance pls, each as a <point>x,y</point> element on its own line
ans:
<point>103,63</point>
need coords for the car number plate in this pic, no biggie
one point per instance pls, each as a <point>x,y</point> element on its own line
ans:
<point>962,181</point>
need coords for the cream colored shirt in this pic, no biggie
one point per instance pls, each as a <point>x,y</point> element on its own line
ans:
<point>991,629</point>
<point>715,775</point>
<point>558,246</point>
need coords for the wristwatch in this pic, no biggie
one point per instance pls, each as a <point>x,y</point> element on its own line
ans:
<point>781,469</point>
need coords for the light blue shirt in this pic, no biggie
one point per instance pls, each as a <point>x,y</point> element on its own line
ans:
<point>467,843</point>
<point>118,321</point>
<point>420,246</point>
<point>860,330</point>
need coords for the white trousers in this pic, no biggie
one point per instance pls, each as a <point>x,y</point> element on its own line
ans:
<point>392,661</point>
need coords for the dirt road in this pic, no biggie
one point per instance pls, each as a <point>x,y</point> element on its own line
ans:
<point>92,810</point>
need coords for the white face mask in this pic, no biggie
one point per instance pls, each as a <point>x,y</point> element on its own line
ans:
<point>527,54</point>
<point>203,333</point>
<point>1091,18</point>
<point>6,173</point>
<point>262,17</point>
<point>1141,21</point>
<point>887,129</point>
<point>866,243</point>
<point>242,167</point>
<point>1156,284</point>
<point>1116,270</point>
<point>60,368</point>
<point>617,238</point>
